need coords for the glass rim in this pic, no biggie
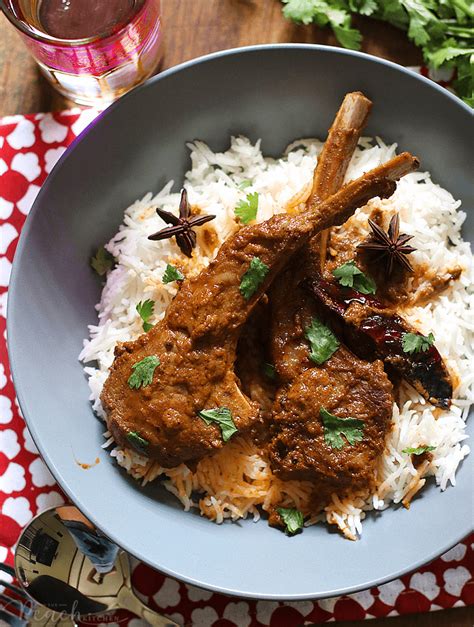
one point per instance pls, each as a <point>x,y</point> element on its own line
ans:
<point>34,33</point>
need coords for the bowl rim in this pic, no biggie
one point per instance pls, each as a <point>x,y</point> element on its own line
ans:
<point>14,280</point>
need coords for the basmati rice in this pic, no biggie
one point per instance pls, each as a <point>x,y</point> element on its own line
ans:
<point>237,482</point>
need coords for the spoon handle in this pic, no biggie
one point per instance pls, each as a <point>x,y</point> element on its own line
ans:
<point>128,601</point>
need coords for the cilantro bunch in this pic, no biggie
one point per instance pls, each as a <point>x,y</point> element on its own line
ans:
<point>444,29</point>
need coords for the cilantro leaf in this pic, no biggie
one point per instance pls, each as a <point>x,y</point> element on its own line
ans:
<point>222,416</point>
<point>457,54</point>
<point>292,518</point>
<point>269,371</point>
<point>145,311</point>
<point>424,25</point>
<point>464,83</point>
<point>448,52</point>
<point>392,11</point>
<point>143,371</point>
<point>246,210</point>
<point>322,341</point>
<point>346,273</point>
<point>137,441</point>
<point>416,343</point>
<point>349,275</point>
<point>102,261</point>
<point>172,274</point>
<point>418,450</point>
<point>299,10</point>
<point>364,7</point>
<point>335,428</point>
<point>347,37</point>
<point>244,184</point>
<point>325,12</point>
<point>253,278</point>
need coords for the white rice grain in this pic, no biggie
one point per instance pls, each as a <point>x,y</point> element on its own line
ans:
<point>426,211</point>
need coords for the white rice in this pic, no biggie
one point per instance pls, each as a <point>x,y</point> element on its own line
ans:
<point>238,481</point>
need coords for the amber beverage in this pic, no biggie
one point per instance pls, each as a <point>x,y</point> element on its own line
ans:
<point>92,51</point>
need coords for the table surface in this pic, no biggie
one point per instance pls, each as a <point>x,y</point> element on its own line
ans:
<point>193,28</point>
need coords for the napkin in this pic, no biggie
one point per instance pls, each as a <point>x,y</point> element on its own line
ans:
<point>29,147</point>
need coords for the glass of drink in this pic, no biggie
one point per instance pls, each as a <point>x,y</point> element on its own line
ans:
<point>91,51</point>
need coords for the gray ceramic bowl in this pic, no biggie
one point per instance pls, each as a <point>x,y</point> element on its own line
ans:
<point>277,93</point>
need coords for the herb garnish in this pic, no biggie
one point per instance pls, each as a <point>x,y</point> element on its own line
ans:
<point>442,28</point>
<point>322,340</point>
<point>172,273</point>
<point>335,428</point>
<point>419,450</point>
<point>350,275</point>
<point>222,416</point>
<point>244,184</point>
<point>391,245</point>
<point>416,343</point>
<point>253,278</point>
<point>143,371</point>
<point>102,261</point>
<point>269,371</point>
<point>136,439</point>
<point>181,227</point>
<point>292,518</point>
<point>246,210</point>
<point>145,311</point>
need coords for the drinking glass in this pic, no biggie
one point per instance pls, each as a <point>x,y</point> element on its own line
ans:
<point>99,68</point>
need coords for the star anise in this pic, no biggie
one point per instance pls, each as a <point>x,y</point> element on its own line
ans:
<point>182,226</point>
<point>391,245</point>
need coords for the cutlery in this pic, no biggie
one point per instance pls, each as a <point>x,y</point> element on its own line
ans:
<point>64,563</point>
<point>17,609</point>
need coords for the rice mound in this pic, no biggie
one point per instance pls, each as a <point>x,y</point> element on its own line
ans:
<point>237,481</point>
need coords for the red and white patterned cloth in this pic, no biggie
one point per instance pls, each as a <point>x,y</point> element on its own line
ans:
<point>29,147</point>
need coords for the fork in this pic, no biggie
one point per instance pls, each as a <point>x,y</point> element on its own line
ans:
<point>28,613</point>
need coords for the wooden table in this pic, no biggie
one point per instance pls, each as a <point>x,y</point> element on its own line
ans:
<point>193,28</point>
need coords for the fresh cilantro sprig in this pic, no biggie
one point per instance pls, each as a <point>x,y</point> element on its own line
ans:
<point>102,261</point>
<point>145,311</point>
<point>143,372</point>
<point>443,29</point>
<point>331,13</point>
<point>416,343</point>
<point>137,441</point>
<point>222,416</point>
<point>253,278</point>
<point>334,428</point>
<point>244,184</point>
<point>322,341</point>
<point>419,450</point>
<point>172,273</point>
<point>246,210</point>
<point>292,519</point>
<point>349,275</point>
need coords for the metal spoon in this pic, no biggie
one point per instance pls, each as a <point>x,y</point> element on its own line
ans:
<point>64,563</point>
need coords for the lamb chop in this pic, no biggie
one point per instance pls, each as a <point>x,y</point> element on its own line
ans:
<point>344,393</point>
<point>345,390</point>
<point>160,385</point>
